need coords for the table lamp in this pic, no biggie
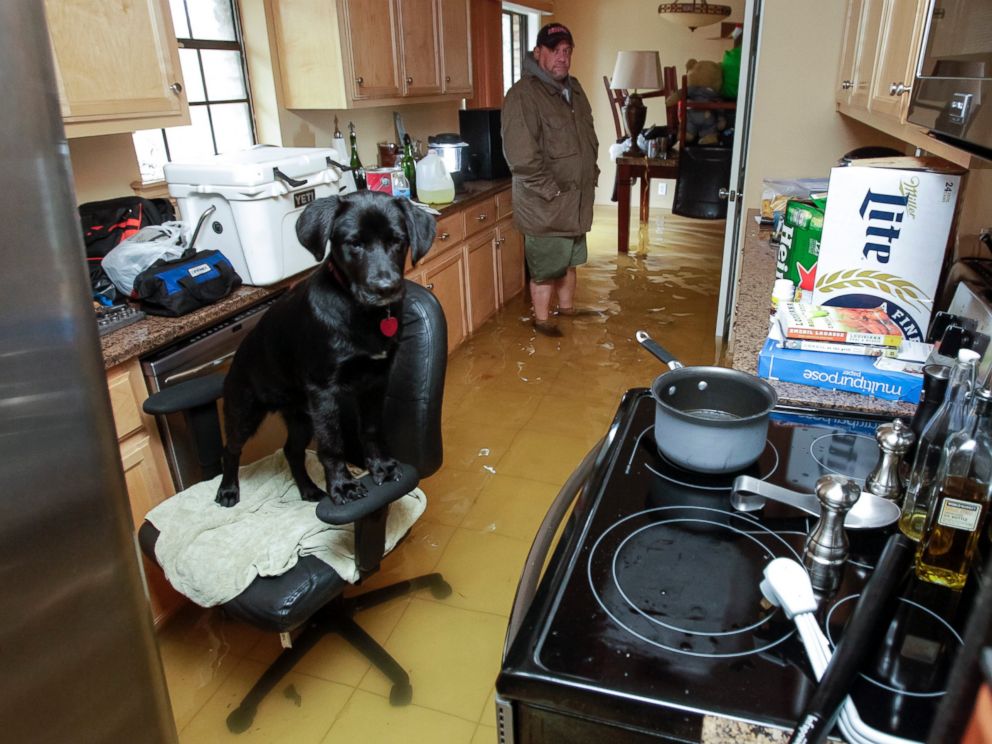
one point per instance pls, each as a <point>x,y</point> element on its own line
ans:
<point>636,70</point>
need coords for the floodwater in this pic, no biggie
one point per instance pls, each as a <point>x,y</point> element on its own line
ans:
<point>520,412</point>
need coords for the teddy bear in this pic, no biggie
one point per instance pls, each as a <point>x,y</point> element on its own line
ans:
<point>703,81</point>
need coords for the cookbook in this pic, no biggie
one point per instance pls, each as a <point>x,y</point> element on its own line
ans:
<point>869,326</point>
<point>839,347</point>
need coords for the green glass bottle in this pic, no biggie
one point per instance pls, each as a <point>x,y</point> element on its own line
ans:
<point>357,169</point>
<point>409,165</point>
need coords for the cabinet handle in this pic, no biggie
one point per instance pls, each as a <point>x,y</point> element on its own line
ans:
<point>360,80</point>
<point>430,286</point>
<point>482,217</point>
<point>409,81</point>
<point>897,89</point>
<point>176,88</point>
<point>447,78</point>
<point>846,85</point>
<point>443,236</point>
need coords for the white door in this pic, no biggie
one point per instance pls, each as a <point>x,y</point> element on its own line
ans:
<point>738,165</point>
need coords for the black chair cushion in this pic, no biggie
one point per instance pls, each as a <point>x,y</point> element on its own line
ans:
<point>703,171</point>
<point>274,603</point>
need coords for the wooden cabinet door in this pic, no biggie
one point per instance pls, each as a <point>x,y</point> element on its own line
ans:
<point>456,61</point>
<point>480,272</point>
<point>510,253</point>
<point>418,24</point>
<point>116,61</point>
<point>444,277</point>
<point>898,47</point>
<point>369,26</point>
<point>858,52</point>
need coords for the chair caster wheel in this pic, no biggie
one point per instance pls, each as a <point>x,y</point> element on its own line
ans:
<point>401,694</point>
<point>240,719</point>
<point>440,589</point>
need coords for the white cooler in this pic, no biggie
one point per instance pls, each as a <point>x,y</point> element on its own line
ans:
<point>258,195</point>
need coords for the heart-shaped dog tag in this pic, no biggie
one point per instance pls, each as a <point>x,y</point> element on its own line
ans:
<point>389,326</point>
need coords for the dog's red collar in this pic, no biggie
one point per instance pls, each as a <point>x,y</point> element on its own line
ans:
<point>389,325</point>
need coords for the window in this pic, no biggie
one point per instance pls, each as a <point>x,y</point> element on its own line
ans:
<point>520,27</point>
<point>213,65</point>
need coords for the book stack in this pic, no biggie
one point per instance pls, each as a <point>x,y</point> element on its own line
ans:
<point>839,330</point>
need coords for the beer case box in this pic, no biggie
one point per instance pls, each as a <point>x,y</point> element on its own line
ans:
<point>850,373</point>
<point>885,235</point>
<point>799,244</point>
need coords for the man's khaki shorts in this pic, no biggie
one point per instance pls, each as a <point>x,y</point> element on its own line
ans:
<point>548,258</point>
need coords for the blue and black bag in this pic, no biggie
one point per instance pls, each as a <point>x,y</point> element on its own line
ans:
<point>181,285</point>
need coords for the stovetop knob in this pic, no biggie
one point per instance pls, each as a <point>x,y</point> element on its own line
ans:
<point>894,440</point>
<point>827,544</point>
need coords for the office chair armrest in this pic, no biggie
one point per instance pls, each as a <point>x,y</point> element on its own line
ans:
<point>378,496</point>
<point>186,395</point>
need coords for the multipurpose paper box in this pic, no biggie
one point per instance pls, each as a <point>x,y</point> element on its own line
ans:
<point>850,373</point>
<point>885,233</point>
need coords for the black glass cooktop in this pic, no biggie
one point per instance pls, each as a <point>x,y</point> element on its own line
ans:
<point>650,615</point>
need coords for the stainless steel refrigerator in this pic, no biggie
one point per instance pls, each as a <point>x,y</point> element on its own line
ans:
<point>78,658</point>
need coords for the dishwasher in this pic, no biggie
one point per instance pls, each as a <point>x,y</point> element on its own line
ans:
<point>207,352</point>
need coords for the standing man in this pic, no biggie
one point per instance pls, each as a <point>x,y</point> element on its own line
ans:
<point>550,145</point>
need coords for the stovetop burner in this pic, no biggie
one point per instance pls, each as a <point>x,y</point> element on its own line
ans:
<point>651,602</point>
<point>642,578</point>
<point>657,463</point>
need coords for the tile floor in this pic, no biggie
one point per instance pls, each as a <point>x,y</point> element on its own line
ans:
<point>520,412</point>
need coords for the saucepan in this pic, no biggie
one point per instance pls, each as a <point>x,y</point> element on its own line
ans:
<point>708,419</point>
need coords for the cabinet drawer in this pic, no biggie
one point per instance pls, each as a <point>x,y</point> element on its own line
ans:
<point>480,216</point>
<point>450,230</point>
<point>504,204</point>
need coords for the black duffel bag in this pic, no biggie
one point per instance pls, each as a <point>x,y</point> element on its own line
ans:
<point>181,285</point>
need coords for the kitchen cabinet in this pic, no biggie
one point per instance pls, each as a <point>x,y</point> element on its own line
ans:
<point>116,65</point>
<point>358,53</point>
<point>418,24</point>
<point>444,276</point>
<point>146,472</point>
<point>475,265</point>
<point>481,278</point>
<point>456,62</point>
<point>510,258</point>
<point>880,48</point>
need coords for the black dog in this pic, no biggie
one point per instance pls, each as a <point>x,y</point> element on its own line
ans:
<point>329,343</point>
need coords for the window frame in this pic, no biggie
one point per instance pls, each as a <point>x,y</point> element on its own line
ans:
<point>199,45</point>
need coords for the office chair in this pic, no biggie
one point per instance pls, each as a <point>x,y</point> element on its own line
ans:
<point>311,594</point>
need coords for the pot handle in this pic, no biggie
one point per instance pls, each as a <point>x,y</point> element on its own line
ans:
<point>658,350</point>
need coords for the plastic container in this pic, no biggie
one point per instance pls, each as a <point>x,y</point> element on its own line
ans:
<point>434,184</point>
<point>258,195</point>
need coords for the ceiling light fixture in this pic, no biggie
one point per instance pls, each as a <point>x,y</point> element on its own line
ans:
<point>693,15</point>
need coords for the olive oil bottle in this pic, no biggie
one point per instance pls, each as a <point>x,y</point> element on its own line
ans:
<point>951,417</point>
<point>958,511</point>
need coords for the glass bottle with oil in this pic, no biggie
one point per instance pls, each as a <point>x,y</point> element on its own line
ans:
<point>959,508</point>
<point>949,418</point>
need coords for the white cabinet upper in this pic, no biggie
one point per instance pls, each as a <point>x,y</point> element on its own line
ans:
<point>336,54</point>
<point>117,65</point>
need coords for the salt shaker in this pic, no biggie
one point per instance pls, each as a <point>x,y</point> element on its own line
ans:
<point>827,545</point>
<point>894,441</point>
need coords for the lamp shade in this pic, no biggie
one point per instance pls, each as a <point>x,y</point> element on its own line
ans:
<point>637,70</point>
<point>694,14</point>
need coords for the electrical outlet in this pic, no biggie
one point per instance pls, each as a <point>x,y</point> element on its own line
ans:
<point>662,188</point>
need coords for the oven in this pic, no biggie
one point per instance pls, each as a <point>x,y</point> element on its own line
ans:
<point>207,352</point>
<point>649,617</point>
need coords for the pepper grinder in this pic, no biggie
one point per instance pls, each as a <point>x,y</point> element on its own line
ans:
<point>894,441</point>
<point>827,546</point>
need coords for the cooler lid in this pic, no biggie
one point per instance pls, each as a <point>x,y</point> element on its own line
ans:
<point>252,167</point>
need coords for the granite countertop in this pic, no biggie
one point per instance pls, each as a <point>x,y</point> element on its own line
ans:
<point>154,333</point>
<point>750,329</point>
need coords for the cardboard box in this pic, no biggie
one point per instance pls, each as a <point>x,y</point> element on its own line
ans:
<point>847,372</point>
<point>885,235</point>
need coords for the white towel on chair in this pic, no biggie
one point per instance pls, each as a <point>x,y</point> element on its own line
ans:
<point>212,553</point>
